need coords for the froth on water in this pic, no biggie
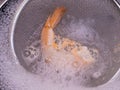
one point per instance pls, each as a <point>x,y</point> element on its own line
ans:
<point>35,60</point>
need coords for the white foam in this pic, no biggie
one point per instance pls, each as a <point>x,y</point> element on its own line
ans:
<point>62,73</point>
<point>14,77</point>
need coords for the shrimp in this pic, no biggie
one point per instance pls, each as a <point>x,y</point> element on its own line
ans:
<point>55,44</point>
<point>47,36</point>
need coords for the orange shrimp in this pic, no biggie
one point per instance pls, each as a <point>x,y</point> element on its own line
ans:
<point>74,48</point>
<point>47,36</point>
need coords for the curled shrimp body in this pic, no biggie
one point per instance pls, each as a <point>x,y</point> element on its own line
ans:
<point>59,48</point>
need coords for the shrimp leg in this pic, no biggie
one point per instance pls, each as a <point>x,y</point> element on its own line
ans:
<point>78,59</point>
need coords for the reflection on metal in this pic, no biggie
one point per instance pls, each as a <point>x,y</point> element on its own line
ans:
<point>14,23</point>
<point>117,3</point>
<point>2,2</point>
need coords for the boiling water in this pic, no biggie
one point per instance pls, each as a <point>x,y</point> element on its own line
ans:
<point>80,31</point>
<point>14,77</point>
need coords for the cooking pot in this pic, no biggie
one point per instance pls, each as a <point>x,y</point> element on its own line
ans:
<point>21,23</point>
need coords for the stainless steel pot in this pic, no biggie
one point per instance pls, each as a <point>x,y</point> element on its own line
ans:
<point>19,20</point>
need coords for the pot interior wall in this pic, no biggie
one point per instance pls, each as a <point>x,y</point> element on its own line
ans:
<point>100,15</point>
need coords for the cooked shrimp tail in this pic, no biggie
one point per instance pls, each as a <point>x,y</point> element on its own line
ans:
<point>54,19</point>
<point>47,35</point>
